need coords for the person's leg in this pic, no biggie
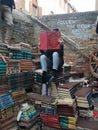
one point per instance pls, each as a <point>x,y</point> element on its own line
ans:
<point>55,63</point>
<point>43,61</point>
<point>1,25</point>
<point>9,22</point>
<point>46,63</point>
<point>55,60</point>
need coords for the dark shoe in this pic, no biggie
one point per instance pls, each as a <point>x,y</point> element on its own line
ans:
<point>54,73</point>
<point>44,77</point>
<point>53,77</point>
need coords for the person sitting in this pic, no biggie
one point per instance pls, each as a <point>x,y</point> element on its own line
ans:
<point>51,60</point>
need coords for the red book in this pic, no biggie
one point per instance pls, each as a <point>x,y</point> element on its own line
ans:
<point>49,40</point>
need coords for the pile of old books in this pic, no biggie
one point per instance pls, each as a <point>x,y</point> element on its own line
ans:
<point>3,79</point>
<point>66,109</point>
<point>36,87</point>
<point>20,54</point>
<point>20,58</point>
<point>86,124</point>
<point>4,89</point>
<point>20,51</point>
<point>48,109</point>
<point>6,101</point>
<point>20,80</point>
<point>53,90</point>
<point>3,67</point>
<point>16,66</point>
<point>28,117</point>
<point>39,99</point>
<point>19,96</point>
<point>26,65</point>
<point>67,122</point>
<point>49,115</point>
<point>50,120</point>
<point>68,89</point>
<point>37,76</point>
<point>13,66</point>
<point>66,105</point>
<point>83,98</point>
<point>7,117</point>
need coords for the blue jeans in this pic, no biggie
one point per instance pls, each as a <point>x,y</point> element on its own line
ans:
<point>47,63</point>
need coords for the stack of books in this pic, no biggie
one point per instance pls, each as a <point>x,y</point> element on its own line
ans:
<point>84,97</point>
<point>68,89</point>
<point>67,115</point>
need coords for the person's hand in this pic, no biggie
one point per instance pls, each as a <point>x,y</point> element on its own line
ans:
<point>14,7</point>
<point>60,40</point>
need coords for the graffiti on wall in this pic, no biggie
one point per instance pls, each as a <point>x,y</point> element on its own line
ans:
<point>79,30</point>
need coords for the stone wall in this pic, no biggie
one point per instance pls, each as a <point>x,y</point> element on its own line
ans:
<point>23,28</point>
<point>80,27</point>
<point>26,28</point>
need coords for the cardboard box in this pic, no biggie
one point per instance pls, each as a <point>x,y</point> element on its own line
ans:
<point>49,40</point>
